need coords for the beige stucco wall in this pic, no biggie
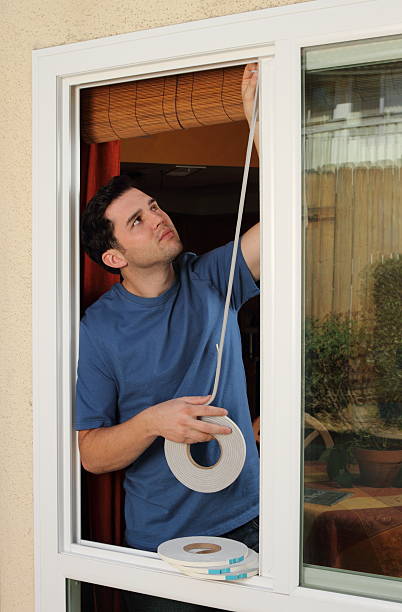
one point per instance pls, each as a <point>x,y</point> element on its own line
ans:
<point>27,25</point>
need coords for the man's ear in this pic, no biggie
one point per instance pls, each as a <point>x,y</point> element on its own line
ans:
<point>114,259</point>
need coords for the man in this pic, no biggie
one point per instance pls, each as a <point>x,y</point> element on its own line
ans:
<point>147,363</point>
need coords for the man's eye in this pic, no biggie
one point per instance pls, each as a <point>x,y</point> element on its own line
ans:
<point>154,207</point>
<point>136,220</point>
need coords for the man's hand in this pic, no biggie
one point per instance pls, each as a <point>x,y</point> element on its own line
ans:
<point>177,420</point>
<point>248,86</point>
<point>106,449</point>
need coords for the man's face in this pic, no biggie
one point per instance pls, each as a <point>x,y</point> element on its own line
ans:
<point>143,230</point>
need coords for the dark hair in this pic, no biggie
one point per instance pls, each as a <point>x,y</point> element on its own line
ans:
<point>97,232</point>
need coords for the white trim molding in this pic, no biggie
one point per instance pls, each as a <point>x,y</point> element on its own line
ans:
<point>274,37</point>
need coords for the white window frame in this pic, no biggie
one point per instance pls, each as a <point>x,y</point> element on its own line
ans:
<point>275,36</point>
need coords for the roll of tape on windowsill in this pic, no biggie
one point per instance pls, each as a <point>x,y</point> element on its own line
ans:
<point>210,558</point>
<point>249,564</point>
<point>203,551</point>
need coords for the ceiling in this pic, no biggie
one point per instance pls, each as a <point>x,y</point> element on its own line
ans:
<point>198,190</point>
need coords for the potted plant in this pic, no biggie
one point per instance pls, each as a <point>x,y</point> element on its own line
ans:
<point>379,460</point>
<point>350,361</point>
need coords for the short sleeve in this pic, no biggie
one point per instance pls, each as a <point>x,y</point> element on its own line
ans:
<point>96,392</point>
<point>215,267</point>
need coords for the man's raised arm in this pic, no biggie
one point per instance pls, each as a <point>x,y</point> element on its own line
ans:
<point>250,241</point>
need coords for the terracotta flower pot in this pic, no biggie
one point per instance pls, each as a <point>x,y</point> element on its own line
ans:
<point>378,468</point>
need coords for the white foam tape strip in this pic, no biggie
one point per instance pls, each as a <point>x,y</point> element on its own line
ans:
<point>218,476</point>
<point>203,551</point>
<point>233,448</point>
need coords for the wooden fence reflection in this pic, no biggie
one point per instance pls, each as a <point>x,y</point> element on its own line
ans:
<point>354,219</point>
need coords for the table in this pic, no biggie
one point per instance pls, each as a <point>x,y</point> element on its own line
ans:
<point>362,532</point>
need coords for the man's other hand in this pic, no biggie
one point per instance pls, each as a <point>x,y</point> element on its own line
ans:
<point>248,86</point>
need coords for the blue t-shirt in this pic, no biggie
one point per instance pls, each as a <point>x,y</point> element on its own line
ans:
<point>136,352</point>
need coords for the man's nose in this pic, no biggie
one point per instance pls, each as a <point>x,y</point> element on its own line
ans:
<point>155,218</point>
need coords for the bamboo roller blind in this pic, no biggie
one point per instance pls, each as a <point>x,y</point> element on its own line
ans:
<point>177,102</point>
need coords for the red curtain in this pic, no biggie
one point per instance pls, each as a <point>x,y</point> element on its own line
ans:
<point>99,163</point>
<point>102,495</point>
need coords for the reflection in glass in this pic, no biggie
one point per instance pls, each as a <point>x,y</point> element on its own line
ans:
<point>352,142</point>
<point>87,597</point>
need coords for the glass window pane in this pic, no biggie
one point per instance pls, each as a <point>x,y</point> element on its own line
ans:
<point>87,597</point>
<point>352,211</point>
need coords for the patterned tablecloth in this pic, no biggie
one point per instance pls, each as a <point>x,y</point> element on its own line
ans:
<point>362,532</point>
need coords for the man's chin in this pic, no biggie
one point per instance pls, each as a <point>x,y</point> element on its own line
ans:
<point>171,247</point>
<point>177,250</point>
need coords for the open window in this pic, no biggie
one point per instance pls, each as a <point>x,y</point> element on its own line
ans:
<point>183,137</point>
<point>299,45</point>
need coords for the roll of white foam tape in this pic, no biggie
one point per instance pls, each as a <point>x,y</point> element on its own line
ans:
<point>202,551</point>
<point>216,477</point>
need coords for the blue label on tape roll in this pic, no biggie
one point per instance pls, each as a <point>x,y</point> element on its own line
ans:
<point>236,577</point>
<point>231,561</point>
<point>225,570</point>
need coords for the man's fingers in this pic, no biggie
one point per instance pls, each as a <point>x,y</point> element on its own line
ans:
<point>211,428</point>
<point>250,71</point>
<point>208,411</point>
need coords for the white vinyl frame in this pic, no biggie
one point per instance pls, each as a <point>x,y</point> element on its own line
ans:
<point>275,37</point>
